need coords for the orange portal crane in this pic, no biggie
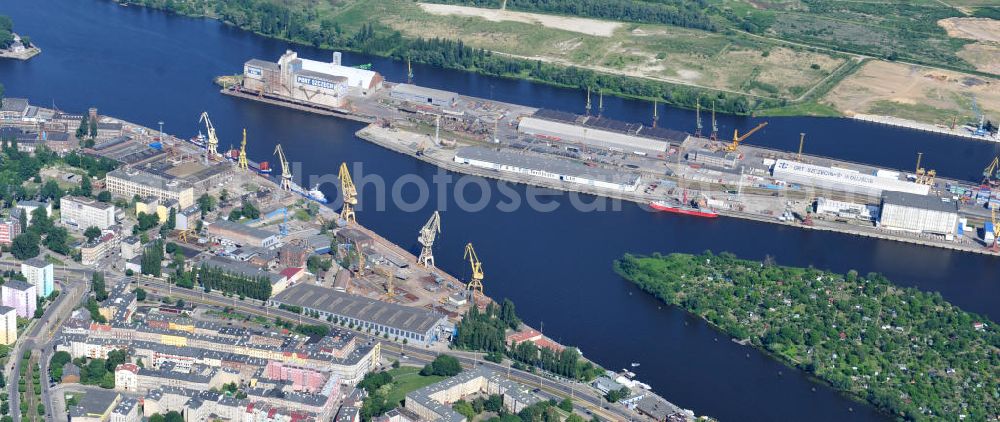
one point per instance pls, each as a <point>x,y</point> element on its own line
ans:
<point>737,138</point>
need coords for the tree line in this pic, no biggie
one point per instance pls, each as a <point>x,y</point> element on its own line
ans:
<point>486,331</point>
<point>214,278</point>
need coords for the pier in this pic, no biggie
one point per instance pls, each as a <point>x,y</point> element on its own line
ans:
<point>960,132</point>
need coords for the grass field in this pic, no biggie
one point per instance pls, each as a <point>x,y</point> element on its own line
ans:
<point>406,379</point>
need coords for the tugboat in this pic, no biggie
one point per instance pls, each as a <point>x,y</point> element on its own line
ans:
<point>198,140</point>
<point>316,195</point>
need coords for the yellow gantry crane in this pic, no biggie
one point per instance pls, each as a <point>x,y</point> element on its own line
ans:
<point>212,147</point>
<point>349,192</point>
<point>991,174</point>
<point>427,235</point>
<point>924,176</point>
<point>242,160</point>
<point>737,138</point>
<point>286,171</point>
<point>475,285</point>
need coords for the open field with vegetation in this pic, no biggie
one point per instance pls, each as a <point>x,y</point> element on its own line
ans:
<point>917,93</point>
<point>750,56</point>
<point>911,353</point>
<point>660,52</point>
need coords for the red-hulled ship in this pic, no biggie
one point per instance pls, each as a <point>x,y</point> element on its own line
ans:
<point>667,207</point>
<point>682,208</point>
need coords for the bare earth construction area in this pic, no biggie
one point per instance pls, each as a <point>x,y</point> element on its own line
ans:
<point>914,92</point>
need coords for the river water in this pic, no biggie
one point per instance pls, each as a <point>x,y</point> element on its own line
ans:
<point>146,66</point>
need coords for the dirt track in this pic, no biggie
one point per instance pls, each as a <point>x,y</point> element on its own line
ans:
<point>584,26</point>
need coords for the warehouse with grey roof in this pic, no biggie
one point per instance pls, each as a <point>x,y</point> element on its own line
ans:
<point>918,213</point>
<point>555,168</point>
<point>416,325</point>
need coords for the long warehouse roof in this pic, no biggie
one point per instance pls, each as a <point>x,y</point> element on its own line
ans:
<point>600,137</point>
<point>829,177</point>
<point>919,201</point>
<point>406,318</point>
<point>554,165</point>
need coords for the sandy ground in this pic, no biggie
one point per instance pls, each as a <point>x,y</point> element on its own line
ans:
<point>584,26</point>
<point>978,29</point>
<point>914,85</point>
<point>984,56</point>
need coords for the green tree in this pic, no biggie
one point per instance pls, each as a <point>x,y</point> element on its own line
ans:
<point>140,294</point>
<point>445,365</point>
<point>151,262</point>
<point>566,404</point>
<point>206,203</point>
<point>98,286</point>
<point>81,131</point>
<point>25,246</point>
<point>58,240</point>
<point>23,222</point>
<point>50,192</point>
<point>465,409</point>
<point>40,222</point>
<point>171,222</point>
<point>250,211</point>
<point>56,363</point>
<point>86,188</point>
<point>104,196</point>
<point>92,233</point>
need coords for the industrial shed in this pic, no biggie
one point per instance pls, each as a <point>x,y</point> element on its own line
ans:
<point>842,180</point>
<point>548,167</point>
<point>421,95</point>
<point>594,136</point>
<point>918,213</point>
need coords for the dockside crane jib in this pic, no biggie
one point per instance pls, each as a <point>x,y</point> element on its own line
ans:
<point>349,192</point>
<point>211,148</point>
<point>286,171</point>
<point>991,175</point>
<point>428,234</point>
<point>737,138</point>
<point>475,286</point>
<point>242,161</point>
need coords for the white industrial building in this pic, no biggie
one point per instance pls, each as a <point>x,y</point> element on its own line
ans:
<point>422,95</point>
<point>843,180</point>
<point>310,81</point>
<point>548,167</point>
<point>845,210</point>
<point>919,214</point>
<point>595,137</point>
<point>86,212</point>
